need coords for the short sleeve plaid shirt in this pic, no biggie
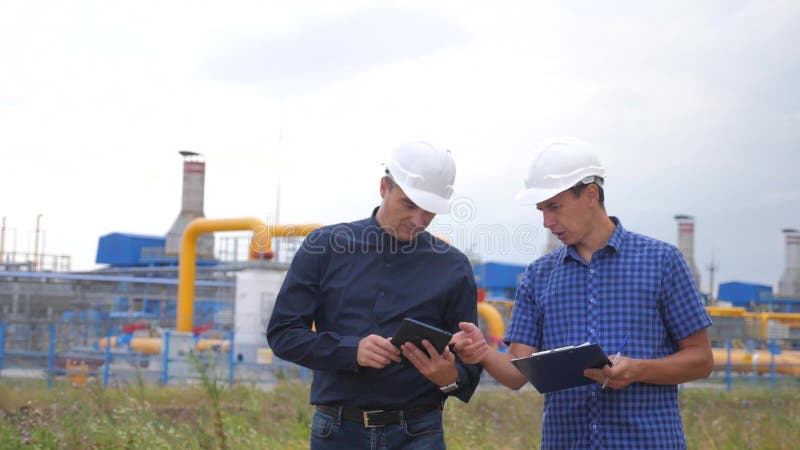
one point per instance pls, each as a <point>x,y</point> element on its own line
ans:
<point>634,285</point>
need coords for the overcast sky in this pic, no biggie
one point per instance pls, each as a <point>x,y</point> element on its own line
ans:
<point>693,106</point>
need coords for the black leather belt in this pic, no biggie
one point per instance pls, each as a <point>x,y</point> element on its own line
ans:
<point>378,417</point>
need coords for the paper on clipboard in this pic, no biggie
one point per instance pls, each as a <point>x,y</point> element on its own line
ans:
<point>561,368</point>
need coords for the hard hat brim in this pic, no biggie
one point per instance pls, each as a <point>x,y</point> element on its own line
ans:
<point>427,201</point>
<point>535,196</point>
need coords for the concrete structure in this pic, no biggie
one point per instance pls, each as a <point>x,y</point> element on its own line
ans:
<point>194,176</point>
<point>789,284</point>
<point>256,291</point>
<point>686,243</point>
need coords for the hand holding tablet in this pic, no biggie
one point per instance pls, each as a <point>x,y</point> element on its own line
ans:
<point>415,331</point>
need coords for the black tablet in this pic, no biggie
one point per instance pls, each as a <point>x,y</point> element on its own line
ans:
<point>415,331</point>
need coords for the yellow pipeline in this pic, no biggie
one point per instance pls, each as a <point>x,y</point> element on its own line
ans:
<point>788,362</point>
<point>152,346</point>
<point>726,311</point>
<point>188,257</point>
<point>790,319</point>
<point>494,321</point>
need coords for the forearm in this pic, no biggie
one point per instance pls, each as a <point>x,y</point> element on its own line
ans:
<point>318,351</point>
<point>501,369</point>
<point>688,364</point>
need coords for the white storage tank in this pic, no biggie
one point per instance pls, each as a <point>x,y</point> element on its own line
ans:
<point>256,291</point>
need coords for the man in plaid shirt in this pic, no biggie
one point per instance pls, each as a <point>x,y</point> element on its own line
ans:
<point>604,285</point>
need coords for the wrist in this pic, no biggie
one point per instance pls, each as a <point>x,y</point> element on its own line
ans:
<point>449,381</point>
<point>450,387</point>
<point>637,369</point>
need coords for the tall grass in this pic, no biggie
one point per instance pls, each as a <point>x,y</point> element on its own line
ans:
<point>210,415</point>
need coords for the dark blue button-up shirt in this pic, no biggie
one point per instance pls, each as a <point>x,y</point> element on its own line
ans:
<point>634,286</point>
<point>354,279</point>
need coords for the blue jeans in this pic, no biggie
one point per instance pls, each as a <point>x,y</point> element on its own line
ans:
<point>422,433</point>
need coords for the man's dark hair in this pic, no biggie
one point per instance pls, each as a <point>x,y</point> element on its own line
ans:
<point>578,188</point>
<point>390,183</point>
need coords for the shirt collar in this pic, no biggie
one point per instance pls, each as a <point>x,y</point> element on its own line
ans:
<point>372,219</point>
<point>614,243</point>
<point>618,236</point>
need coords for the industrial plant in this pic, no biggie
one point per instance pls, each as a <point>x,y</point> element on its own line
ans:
<point>162,305</point>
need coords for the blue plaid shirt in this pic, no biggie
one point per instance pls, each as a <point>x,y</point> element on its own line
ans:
<point>634,285</point>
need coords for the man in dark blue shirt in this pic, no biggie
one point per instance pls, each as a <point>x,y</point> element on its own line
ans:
<point>355,282</point>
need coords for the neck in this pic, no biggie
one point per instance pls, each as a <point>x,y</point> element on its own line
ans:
<point>381,219</point>
<point>598,237</point>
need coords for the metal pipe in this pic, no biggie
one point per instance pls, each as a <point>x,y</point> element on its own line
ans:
<point>494,322</point>
<point>152,345</point>
<point>36,244</point>
<point>51,356</point>
<point>188,255</point>
<point>728,366</point>
<point>107,364</point>
<point>761,361</point>
<point>230,358</point>
<point>3,241</point>
<point>110,279</point>
<point>2,344</point>
<point>165,363</point>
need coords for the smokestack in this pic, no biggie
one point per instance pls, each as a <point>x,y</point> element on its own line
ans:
<point>194,176</point>
<point>686,243</point>
<point>789,285</point>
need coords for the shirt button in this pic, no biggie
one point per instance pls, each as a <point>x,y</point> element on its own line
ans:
<point>591,271</point>
<point>591,330</point>
<point>594,427</point>
<point>592,300</point>
<point>593,393</point>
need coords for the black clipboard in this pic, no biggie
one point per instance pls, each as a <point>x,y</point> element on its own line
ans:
<point>415,331</point>
<point>562,368</point>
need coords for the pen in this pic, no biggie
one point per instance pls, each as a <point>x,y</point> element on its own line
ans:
<point>617,356</point>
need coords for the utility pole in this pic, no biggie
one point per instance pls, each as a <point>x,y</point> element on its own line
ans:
<point>36,244</point>
<point>3,241</point>
<point>712,267</point>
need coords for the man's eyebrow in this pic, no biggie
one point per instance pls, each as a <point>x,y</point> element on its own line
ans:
<point>408,201</point>
<point>545,205</point>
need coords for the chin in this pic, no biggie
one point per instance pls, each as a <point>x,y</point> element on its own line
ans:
<point>567,241</point>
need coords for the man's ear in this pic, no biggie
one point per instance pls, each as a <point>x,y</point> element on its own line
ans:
<point>384,187</point>
<point>593,192</point>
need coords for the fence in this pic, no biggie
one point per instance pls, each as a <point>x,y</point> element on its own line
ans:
<point>50,353</point>
<point>112,361</point>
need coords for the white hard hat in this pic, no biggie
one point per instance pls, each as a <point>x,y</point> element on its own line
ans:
<point>558,165</point>
<point>425,173</point>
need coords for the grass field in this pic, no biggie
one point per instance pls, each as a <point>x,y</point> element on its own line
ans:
<point>210,416</point>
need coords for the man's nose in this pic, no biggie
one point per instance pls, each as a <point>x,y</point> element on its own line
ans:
<point>548,220</point>
<point>422,218</point>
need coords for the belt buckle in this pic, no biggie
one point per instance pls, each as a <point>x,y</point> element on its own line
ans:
<point>365,415</point>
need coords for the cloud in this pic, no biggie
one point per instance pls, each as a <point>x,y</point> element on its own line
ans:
<point>12,102</point>
<point>314,55</point>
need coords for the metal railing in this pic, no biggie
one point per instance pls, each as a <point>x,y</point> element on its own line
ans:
<point>54,358</point>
